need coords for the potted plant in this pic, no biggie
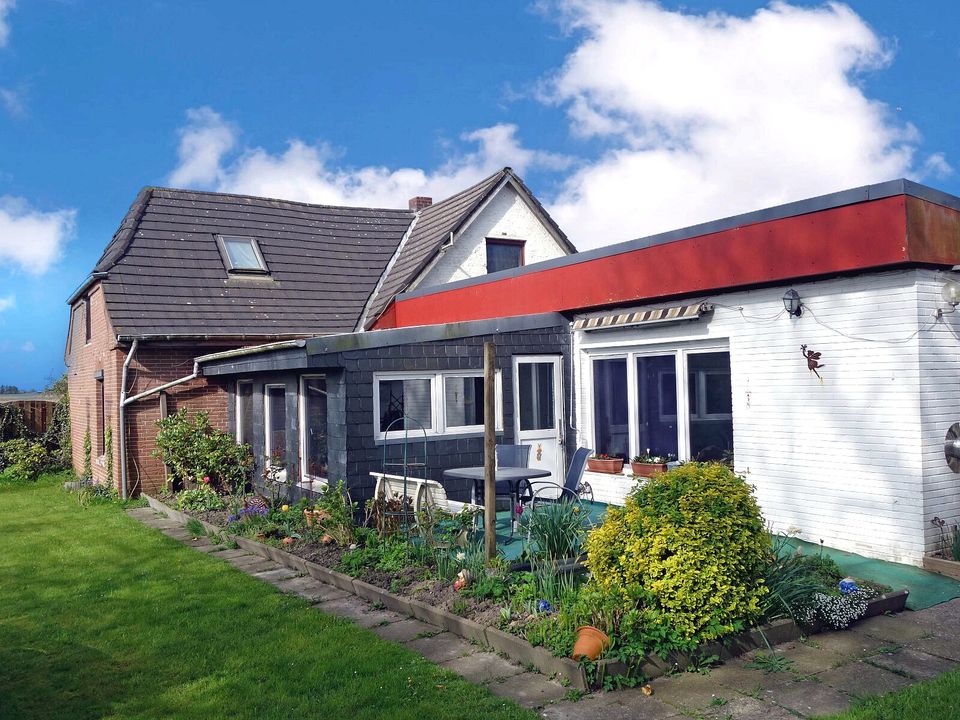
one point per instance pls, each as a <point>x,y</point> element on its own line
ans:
<point>604,463</point>
<point>946,559</point>
<point>646,464</point>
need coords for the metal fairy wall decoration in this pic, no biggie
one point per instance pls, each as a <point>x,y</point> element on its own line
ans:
<point>813,361</point>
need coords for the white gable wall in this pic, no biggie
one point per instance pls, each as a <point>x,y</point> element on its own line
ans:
<point>506,215</point>
<point>939,402</point>
<point>840,460</point>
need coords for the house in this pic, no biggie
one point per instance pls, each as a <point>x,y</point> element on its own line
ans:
<point>193,273</point>
<point>816,343</point>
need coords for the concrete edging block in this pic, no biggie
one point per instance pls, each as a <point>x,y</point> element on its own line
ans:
<point>428,613</point>
<point>465,628</point>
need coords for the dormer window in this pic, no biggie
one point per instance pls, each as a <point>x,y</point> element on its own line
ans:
<point>241,254</point>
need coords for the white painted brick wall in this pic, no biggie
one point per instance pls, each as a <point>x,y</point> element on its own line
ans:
<point>506,215</point>
<point>939,402</point>
<point>847,460</point>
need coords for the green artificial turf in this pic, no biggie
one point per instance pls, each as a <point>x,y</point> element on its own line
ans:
<point>937,699</point>
<point>102,617</point>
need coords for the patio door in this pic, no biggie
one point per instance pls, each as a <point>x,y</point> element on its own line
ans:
<point>538,416</point>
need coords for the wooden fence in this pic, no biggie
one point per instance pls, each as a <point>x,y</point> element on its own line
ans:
<point>38,414</point>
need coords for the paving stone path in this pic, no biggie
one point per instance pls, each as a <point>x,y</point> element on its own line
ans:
<point>823,674</point>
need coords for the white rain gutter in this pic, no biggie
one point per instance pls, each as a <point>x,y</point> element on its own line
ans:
<point>124,401</point>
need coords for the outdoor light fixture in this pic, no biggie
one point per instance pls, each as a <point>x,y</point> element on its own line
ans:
<point>792,304</point>
<point>951,293</point>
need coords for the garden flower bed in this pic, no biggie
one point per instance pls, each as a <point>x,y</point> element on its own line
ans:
<point>684,574</point>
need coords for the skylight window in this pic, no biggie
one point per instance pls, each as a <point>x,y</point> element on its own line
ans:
<point>241,254</point>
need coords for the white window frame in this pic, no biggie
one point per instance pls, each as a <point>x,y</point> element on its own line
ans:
<point>631,353</point>
<point>438,413</point>
<point>236,412</point>
<point>267,447</point>
<point>222,241</point>
<point>302,425</point>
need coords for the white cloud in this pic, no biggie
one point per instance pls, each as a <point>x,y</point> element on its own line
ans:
<point>204,141</point>
<point>31,239</point>
<point>12,101</point>
<point>5,7</point>
<point>705,116</point>
<point>28,346</point>
<point>7,302</point>
<point>311,173</point>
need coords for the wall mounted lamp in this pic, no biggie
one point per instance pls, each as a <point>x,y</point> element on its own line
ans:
<point>950,292</point>
<point>792,304</point>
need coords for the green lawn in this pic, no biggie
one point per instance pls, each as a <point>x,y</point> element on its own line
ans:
<point>937,699</point>
<point>101,617</point>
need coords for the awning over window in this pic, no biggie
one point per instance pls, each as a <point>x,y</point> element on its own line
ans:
<point>644,317</point>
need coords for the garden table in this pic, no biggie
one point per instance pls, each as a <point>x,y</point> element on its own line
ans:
<point>510,476</point>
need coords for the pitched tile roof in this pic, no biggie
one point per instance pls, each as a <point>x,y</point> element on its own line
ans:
<point>166,275</point>
<point>432,228</point>
<point>163,275</point>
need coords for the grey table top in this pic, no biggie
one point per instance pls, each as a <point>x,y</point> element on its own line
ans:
<point>503,473</point>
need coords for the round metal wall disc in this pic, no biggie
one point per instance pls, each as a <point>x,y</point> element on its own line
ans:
<point>951,447</point>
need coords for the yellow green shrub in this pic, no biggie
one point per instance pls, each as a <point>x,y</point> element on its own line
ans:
<point>694,540</point>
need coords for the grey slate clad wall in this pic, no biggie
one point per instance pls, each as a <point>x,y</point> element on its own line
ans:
<point>364,454</point>
<point>166,275</point>
<point>352,450</point>
<point>432,229</point>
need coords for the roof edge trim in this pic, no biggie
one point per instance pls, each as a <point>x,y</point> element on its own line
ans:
<point>830,201</point>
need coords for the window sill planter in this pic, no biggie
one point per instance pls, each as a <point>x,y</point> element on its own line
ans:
<point>613,466</point>
<point>647,469</point>
<point>934,562</point>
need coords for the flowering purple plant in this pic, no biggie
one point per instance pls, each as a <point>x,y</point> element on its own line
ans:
<point>248,512</point>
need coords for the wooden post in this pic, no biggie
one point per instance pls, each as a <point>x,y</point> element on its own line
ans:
<point>489,450</point>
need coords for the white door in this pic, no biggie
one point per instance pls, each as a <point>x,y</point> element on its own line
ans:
<point>538,416</point>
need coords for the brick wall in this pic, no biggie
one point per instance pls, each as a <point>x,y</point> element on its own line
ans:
<point>153,365</point>
<point>85,360</point>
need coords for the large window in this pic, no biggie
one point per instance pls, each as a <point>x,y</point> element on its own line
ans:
<point>710,405</point>
<point>657,405</point>
<point>441,403</point>
<point>610,407</point>
<point>245,411</point>
<point>275,426</point>
<point>639,405</point>
<point>504,254</point>
<point>313,427</point>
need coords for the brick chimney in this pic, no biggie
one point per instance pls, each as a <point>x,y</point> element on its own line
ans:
<point>419,203</point>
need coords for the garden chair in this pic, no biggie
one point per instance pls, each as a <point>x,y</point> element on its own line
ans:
<point>549,491</point>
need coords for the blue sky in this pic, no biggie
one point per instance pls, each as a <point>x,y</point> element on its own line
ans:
<point>624,118</point>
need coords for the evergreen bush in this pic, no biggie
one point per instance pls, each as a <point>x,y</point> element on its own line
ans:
<point>689,547</point>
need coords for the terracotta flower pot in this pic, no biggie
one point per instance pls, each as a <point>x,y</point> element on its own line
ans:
<point>287,541</point>
<point>614,465</point>
<point>647,469</point>
<point>590,643</point>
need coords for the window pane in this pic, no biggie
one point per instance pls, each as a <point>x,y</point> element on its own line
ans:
<point>315,417</point>
<point>503,256</point>
<point>610,407</point>
<point>657,405</point>
<point>463,401</point>
<point>711,405</point>
<point>277,425</point>
<point>245,412</point>
<point>536,396</point>
<point>405,397</point>
<point>242,255</point>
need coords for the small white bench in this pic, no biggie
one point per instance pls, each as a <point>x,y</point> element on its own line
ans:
<point>422,492</point>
